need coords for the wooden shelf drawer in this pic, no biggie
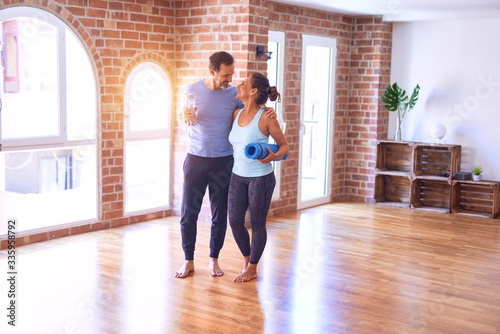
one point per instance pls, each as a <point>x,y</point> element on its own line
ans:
<point>431,195</point>
<point>477,198</point>
<point>437,160</point>
<point>392,190</point>
<point>394,156</point>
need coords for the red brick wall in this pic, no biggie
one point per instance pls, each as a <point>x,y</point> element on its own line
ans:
<point>363,64</point>
<point>367,121</point>
<point>295,21</point>
<point>181,35</point>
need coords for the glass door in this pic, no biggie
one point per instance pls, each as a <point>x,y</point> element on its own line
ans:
<point>275,70</point>
<point>316,120</point>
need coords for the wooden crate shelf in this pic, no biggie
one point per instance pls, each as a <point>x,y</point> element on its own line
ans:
<point>420,176</point>
<point>393,156</point>
<point>476,198</point>
<point>392,190</point>
<point>416,175</point>
<point>437,160</point>
<point>429,194</point>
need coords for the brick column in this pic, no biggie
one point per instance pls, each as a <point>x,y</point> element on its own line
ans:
<point>202,28</point>
<point>367,118</point>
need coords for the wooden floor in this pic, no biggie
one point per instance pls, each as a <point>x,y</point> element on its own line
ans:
<point>339,268</point>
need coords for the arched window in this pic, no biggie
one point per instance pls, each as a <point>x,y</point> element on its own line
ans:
<point>48,165</point>
<point>148,101</point>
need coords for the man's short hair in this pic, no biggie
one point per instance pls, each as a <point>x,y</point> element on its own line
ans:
<point>218,58</point>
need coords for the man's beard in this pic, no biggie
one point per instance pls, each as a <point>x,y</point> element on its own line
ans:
<point>224,85</point>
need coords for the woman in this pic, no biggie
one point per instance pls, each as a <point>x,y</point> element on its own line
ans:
<point>252,181</point>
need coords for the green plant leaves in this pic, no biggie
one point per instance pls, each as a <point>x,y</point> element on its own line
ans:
<point>396,99</point>
<point>414,97</point>
<point>477,170</point>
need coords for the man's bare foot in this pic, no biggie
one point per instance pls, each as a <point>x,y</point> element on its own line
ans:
<point>213,265</point>
<point>247,275</point>
<point>186,268</point>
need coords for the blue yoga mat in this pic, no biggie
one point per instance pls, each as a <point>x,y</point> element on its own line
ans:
<point>259,151</point>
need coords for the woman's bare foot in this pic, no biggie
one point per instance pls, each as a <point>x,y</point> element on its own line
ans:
<point>247,275</point>
<point>246,262</point>
<point>186,268</point>
<point>213,265</point>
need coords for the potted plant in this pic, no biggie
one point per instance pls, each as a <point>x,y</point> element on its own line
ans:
<point>476,173</point>
<point>396,99</point>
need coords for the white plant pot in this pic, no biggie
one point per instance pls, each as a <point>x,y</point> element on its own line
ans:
<point>477,177</point>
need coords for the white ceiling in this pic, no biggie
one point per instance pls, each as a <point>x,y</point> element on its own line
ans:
<point>407,10</point>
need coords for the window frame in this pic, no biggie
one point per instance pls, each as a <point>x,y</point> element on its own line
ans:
<point>85,143</point>
<point>131,136</point>
<point>42,141</point>
<point>279,38</point>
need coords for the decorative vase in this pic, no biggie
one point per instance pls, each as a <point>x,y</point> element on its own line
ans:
<point>399,121</point>
<point>477,177</point>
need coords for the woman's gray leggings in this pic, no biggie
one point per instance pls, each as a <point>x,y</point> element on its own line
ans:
<point>253,193</point>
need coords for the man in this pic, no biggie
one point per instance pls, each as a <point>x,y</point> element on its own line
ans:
<point>209,160</point>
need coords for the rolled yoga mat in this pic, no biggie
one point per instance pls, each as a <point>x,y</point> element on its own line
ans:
<point>258,151</point>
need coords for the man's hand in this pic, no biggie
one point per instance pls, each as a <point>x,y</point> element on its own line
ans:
<point>270,112</point>
<point>186,115</point>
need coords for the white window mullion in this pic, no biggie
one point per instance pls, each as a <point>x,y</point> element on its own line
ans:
<point>62,84</point>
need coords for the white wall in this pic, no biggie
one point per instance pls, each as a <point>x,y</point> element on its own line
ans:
<point>457,65</point>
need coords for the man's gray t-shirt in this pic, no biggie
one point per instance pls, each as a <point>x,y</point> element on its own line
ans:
<point>209,136</point>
